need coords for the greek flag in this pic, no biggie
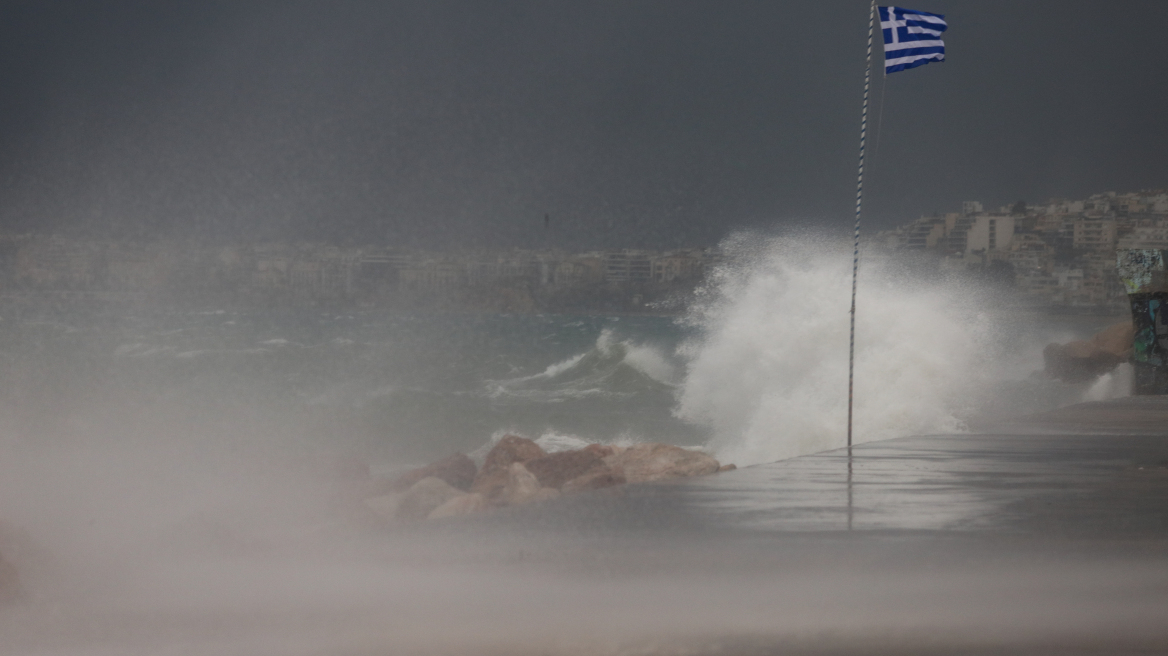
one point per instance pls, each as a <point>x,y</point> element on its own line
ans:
<point>911,38</point>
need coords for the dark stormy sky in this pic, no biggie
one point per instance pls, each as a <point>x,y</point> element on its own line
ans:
<point>635,123</point>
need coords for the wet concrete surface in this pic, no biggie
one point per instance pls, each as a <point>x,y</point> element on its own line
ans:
<point>1089,471</point>
<point>1045,535</point>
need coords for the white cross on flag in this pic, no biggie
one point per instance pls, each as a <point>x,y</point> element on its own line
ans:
<point>911,38</point>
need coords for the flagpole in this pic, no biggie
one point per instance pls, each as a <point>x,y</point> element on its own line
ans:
<point>859,206</point>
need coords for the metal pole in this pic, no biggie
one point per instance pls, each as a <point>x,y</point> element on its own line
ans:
<point>859,206</point>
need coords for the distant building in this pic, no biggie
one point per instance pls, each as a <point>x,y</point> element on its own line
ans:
<point>1094,234</point>
<point>990,232</point>
<point>579,270</point>
<point>432,276</point>
<point>628,266</point>
<point>678,265</point>
<point>1144,237</point>
<point>925,233</point>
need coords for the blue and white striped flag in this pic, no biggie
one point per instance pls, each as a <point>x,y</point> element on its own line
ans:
<point>911,38</point>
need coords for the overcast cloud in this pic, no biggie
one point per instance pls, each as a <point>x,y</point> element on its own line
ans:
<point>631,123</point>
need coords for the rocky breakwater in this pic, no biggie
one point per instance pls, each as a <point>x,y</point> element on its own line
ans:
<point>1083,360</point>
<point>517,471</point>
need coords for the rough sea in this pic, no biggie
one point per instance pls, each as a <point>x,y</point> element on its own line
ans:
<point>169,476</point>
<point>755,371</point>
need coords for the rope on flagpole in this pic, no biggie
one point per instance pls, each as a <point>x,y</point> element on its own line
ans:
<point>859,206</point>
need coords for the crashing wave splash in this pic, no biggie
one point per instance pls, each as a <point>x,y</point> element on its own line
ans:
<point>768,376</point>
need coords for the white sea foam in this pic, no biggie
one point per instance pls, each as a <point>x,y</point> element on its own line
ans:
<point>602,371</point>
<point>652,363</point>
<point>200,353</point>
<point>769,374</point>
<point>558,368</point>
<point>139,350</point>
<point>645,359</point>
<point>1112,385</point>
<point>550,441</point>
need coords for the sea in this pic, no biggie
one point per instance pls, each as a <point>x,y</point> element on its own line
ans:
<point>755,371</point>
<point>179,479</point>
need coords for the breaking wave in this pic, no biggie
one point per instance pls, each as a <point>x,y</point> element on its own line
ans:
<point>611,368</point>
<point>768,374</point>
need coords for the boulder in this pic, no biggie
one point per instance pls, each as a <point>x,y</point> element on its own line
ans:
<point>466,504</point>
<point>494,475</point>
<point>726,468</point>
<point>1116,339</point>
<point>424,497</point>
<point>595,479</point>
<point>1083,360</point>
<point>523,487</point>
<point>653,462</point>
<point>602,450</point>
<point>555,469</point>
<point>457,471</point>
<point>490,484</point>
<point>510,449</point>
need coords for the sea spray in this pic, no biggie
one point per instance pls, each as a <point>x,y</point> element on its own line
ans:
<point>1112,385</point>
<point>550,441</point>
<point>611,368</point>
<point>768,374</point>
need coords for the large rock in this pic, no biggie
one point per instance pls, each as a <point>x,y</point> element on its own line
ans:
<point>1083,360</point>
<point>523,487</point>
<point>457,471</point>
<point>424,497</point>
<point>508,450</point>
<point>595,479</point>
<point>553,470</point>
<point>490,484</point>
<point>520,486</point>
<point>1116,338</point>
<point>602,450</point>
<point>653,462</point>
<point>494,474</point>
<point>466,504</point>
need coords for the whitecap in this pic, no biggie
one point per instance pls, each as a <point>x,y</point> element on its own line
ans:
<point>769,375</point>
<point>650,362</point>
<point>279,341</point>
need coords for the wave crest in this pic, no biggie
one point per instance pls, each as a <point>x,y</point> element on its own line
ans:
<point>611,368</point>
<point>768,377</point>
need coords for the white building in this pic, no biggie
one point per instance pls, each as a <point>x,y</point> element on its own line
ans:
<point>990,232</point>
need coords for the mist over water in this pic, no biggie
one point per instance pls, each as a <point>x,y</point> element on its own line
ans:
<point>181,476</point>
